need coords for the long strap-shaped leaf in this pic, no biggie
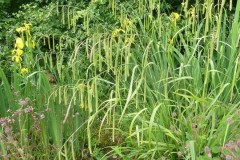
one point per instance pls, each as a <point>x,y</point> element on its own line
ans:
<point>7,87</point>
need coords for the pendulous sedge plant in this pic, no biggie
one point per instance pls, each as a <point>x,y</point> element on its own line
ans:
<point>147,84</point>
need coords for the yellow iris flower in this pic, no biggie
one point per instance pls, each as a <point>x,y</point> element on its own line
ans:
<point>24,70</point>
<point>17,52</point>
<point>32,45</point>
<point>16,58</point>
<point>20,29</point>
<point>27,26</point>
<point>175,15</point>
<point>19,43</point>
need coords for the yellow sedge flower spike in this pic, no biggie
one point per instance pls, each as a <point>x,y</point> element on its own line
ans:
<point>117,31</point>
<point>33,44</point>
<point>129,40</point>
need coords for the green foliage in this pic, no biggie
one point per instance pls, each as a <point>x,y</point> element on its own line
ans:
<point>122,80</point>
<point>4,2</point>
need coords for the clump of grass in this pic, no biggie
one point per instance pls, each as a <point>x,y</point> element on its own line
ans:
<point>159,85</point>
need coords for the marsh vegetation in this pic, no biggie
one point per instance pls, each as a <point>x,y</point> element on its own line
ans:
<point>120,80</point>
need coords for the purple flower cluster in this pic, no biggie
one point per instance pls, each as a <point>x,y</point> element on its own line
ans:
<point>23,102</point>
<point>6,121</point>
<point>11,137</point>
<point>207,151</point>
<point>231,149</point>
